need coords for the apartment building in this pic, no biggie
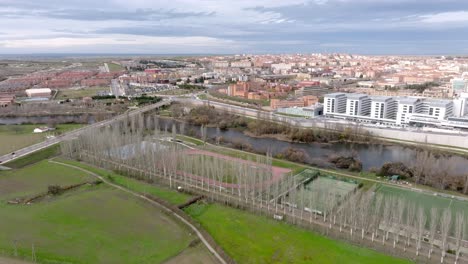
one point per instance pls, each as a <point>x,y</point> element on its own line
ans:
<point>334,103</point>
<point>394,110</point>
<point>383,107</point>
<point>406,107</point>
<point>358,105</point>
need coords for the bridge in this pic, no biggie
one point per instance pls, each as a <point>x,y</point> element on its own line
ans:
<point>72,134</point>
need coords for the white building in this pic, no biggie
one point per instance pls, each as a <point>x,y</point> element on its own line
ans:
<point>358,105</point>
<point>398,111</point>
<point>460,105</point>
<point>383,107</point>
<point>241,64</point>
<point>39,92</point>
<point>309,111</point>
<point>406,107</point>
<point>220,64</point>
<point>334,103</point>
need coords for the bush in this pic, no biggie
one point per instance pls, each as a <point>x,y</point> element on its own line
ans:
<point>396,168</point>
<point>295,155</point>
<point>54,189</point>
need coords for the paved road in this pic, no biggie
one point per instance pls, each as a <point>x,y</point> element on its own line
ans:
<point>72,134</point>
<point>454,142</point>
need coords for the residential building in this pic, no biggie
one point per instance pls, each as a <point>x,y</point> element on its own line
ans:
<point>406,107</point>
<point>334,103</point>
<point>383,107</point>
<point>6,100</point>
<point>358,105</point>
<point>300,102</point>
<point>459,85</point>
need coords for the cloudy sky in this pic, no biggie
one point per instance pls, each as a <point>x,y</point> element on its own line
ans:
<point>234,26</point>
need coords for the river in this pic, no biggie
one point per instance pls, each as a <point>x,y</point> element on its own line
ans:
<point>371,155</point>
<point>58,119</point>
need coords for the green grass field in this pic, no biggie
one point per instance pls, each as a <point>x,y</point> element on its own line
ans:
<point>93,224</point>
<point>115,67</point>
<point>167,194</point>
<point>14,137</point>
<point>322,190</point>
<point>250,238</point>
<point>35,179</point>
<point>427,201</point>
<point>80,93</point>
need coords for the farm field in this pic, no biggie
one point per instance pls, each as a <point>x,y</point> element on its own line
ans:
<point>35,179</point>
<point>80,93</point>
<point>250,238</point>
<point>91,224</point>
<point>115,67</point>
<point>13,137</point>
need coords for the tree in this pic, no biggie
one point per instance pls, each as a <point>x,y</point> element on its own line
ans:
<point>445,224</point>
<point>420,224</point>
<point>459,233</point>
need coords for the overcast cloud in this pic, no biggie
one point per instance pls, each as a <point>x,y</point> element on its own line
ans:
<point>242,26</point>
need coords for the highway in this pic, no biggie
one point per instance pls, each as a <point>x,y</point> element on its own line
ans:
<point>446,141</point>
<point>72,134</point>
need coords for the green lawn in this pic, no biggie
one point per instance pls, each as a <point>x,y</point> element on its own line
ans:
<point>167,194</point>
<point>93,224</point>
<point>14,137</point>
<point>427,201</point>
<point>115,67</point>
<point>80,93</point>
<point>250,238</point>
<point>36,178</point>
<point>191,140</point>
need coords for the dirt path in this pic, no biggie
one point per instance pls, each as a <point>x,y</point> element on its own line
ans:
<point>168,210</point>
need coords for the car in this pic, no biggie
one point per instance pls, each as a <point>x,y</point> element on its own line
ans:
<point>12,153</point>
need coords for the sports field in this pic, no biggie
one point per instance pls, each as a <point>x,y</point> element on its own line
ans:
<point>425,200</point>
<point>92,224</point>
<point>236,172</point>
<point>323,192</point>
<point>250,238</point>
<point>13,137</point>
<point>80,93</point>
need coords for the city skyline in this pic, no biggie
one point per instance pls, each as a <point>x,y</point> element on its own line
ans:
<point>223,27</point>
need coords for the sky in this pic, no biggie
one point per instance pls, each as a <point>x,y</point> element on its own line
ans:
<point>419,27</point>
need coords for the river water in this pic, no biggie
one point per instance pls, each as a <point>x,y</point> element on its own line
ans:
<point>371,155</point>
<point>59,119</point>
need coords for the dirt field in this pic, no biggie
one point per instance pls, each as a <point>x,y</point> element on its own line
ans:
<point>277,172</point>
